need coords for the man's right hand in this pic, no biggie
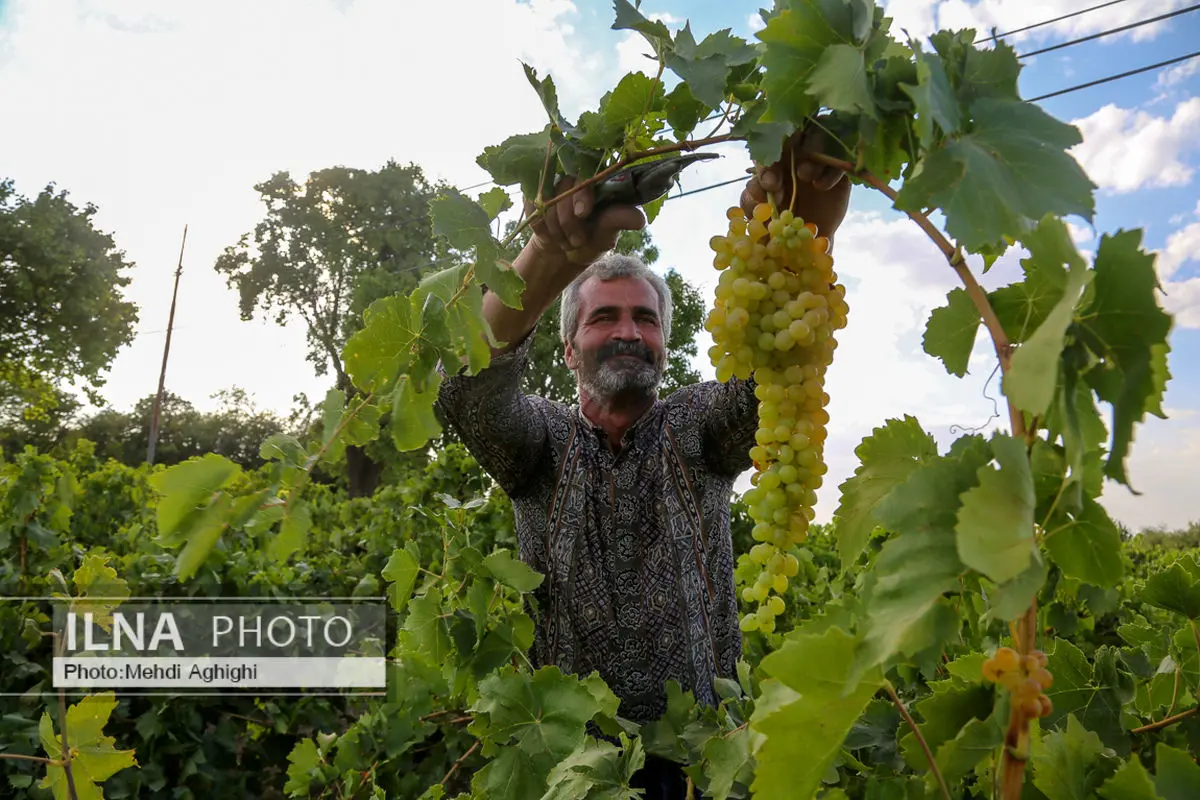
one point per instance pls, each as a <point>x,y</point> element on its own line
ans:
<point>569,231</point>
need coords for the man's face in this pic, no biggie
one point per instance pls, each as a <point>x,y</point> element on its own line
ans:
<point>618,346</point>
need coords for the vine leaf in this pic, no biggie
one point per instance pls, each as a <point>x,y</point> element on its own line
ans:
<point>727,762</point>
<point>94,758</point>
<point>918,565</point>
<point>401,571</point>
<point>1122,325</point>
<point>840,81</point>
<point>995,523</point>
<point>629,18</point>
<point>1031,380</point>
<point>1011,599</point>
<point>191,508</point>
<point>494,201</point>
<point>1175,589</point>
<point>704,69</point>
<point>950,332</point>
<point>1095,693</point>
<point>518,159</point>
<point>94,578</point>
<point>1131,782</point>
<point>977,740</point>
<point>413,420</point>
<point>933,97</point>
<point>811,714</point>
<point>794,40</point>
<point>384,346</point>
<point>952,705</point>
<point>549,97</point>
<point>511,572</point>
<point>1011,168</point>
<point>1086,545</point>
<point>888,457</point>
<point>1178,775</point>
<point>1070,764</point>
<point>427,628</point>
<point>597,769</point>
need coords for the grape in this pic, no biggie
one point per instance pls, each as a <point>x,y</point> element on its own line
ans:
<point>1006,659</point>
<point>774,317</point>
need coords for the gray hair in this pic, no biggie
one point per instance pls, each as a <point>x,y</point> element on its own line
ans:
<point>606,268</point>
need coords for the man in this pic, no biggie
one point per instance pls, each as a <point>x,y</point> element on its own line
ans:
<point>623,500</point>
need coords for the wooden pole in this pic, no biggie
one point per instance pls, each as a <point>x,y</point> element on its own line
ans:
<point>162,375</point>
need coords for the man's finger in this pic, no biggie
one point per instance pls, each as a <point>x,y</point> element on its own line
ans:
<point>829,178</point>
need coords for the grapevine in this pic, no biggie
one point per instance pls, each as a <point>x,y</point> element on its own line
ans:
<point>777,307</point>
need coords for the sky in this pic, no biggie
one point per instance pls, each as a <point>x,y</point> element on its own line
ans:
<point>164,113</point>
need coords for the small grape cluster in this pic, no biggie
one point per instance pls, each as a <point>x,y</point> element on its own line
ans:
<point>1026,677</point>
<point>778,306</point>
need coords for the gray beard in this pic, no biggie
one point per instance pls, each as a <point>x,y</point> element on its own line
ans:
<point>606,380</point>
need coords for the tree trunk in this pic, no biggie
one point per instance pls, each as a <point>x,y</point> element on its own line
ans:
<point>362,473</point>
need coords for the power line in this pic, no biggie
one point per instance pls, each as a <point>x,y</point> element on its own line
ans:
<point>1102,34</point>
<point>1137,71</point>
<point>1043,23</point>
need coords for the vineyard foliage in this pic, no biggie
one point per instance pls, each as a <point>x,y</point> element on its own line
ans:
<point>872,684</point>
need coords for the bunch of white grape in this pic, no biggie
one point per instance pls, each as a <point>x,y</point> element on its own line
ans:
<point>778,306</point>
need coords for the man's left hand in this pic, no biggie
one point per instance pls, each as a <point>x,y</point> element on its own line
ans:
<point>822,192</point>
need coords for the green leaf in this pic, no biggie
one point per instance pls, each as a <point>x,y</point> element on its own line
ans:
<point>1010,170</point>
<point>706,77</point>
<point>511,572</point>
<point>384,346</point>
<point>888,457</point>
<point>413,420</point>
<point>94,759</point>
<point>634,96</point>
<point>1031,380</point>
<point>543,713</point>
<point>549,97</point>
<point>94,578</point>
<point>795,39</point>
<point>1064,767</point>
<point>1095,694</point>
<point>916,567</point>
<point>933,98</point>
<point>943,714</point>
<point>304,763</point>
<point>1175,589</point>
<point>204,531</point>
<point>1131,782</point>
<point>495,200</point>
<point>499,277</point>
<point>1086,545</point>
<point>977,741</point>
<point>427,627</point>
<point>513,774</point>
<point>518,159</point>
<point>995,523</point>
<point>1122,325</point>
<point>186,490</point>
<point>401,571</point>
<point>1010,600</point>
<point>764,139</point>
<point>1178,776</point>
<point>683,110</point>
<point>814,714</point>
<point>629,18</point>
<point>459,220</point>
<point>950,332</point>
<point>595,770</point>
<point>839,81</point>
<point>727,761</point>
<point>297,521</point>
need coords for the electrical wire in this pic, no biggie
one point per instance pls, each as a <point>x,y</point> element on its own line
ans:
<point>1137,71</point>
<point>1110,32</point>
<point>1043,23</point>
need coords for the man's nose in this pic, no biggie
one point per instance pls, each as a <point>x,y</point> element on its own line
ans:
<point>626,329</point>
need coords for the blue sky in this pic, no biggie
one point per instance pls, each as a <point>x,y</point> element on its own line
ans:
<point>167,113</point>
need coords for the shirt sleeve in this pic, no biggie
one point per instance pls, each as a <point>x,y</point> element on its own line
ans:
<point>503,428</point>
<point>727,414</point>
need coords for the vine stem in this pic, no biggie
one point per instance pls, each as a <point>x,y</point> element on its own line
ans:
<point>937,773</point>
<point>72,793</point>
<point>461,759</point>
<point>1162,723</point>
<point>624,162</point>
<point>51,762</point>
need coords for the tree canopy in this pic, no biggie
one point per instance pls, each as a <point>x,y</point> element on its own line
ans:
<point>62,314</point>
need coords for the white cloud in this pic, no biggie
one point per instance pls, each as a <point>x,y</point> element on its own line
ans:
<point>754,23</point>
<point>166,114</point>
<point>1124,149</point>
<point>1176,74</point>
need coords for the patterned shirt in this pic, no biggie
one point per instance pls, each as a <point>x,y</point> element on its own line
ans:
<point>635,546</point>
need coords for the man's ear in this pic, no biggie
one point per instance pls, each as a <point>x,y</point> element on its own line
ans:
<point>571,356</point>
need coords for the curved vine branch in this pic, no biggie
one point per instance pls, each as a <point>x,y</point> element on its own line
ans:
<point>937,773</point>
<point>955,258</point>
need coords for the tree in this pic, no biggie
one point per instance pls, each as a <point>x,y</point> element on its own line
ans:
<point>327,248</point>
<point>62,314</point>
<point>236,430</point>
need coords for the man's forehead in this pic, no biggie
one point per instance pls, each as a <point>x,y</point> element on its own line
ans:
<point>626,290</point>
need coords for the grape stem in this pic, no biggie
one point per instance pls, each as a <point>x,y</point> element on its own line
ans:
<point>1162,723</point>
<point>955,258</point>
<point>937,773</point>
